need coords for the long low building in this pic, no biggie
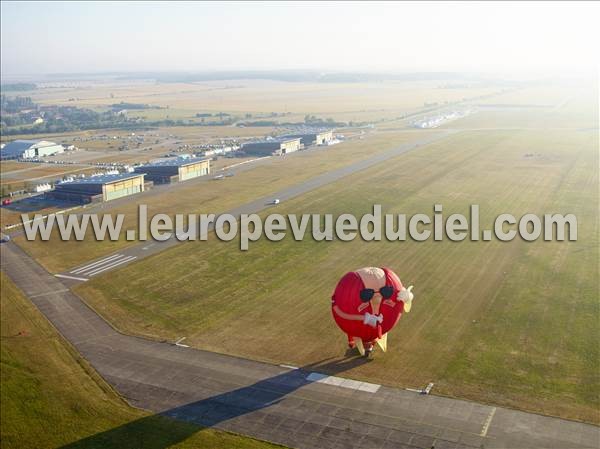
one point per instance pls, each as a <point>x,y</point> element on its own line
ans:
<point>30,149</point>
<point>174,170</point>
<point>277,147</point>
<point>314,138</point>
<point>98,188</point>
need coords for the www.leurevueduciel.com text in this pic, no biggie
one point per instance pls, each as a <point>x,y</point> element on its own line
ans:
<point>373,226</point>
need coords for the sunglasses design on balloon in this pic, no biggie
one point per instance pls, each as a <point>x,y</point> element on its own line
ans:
<point>366,294</point>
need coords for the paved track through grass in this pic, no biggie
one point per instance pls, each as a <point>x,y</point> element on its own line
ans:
<point>51,397</point>
<point>507,323</point>
<point>200,196</point>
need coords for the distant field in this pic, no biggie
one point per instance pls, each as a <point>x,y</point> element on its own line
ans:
<point>526,108</point>
<point>218,196</point>
<point>340,101</point>
<point>548,95</point>
<point>569,108</point>
<point>51,397</point>
<point>346,102</point>
<point>508,323</point>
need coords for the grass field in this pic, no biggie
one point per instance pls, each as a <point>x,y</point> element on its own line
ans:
<point>37,172</point>
<point>215,197</point>
<point>572,110</point>
<point>340,101</point>
<point>7,166</point>
<point>51,398</point>
<point>9,217</point>
<point>513,323</point>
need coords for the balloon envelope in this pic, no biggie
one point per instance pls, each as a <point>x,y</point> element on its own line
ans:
<point>347,298</point>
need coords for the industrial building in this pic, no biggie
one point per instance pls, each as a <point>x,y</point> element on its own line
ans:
<point>174,170</point>
<point>29,149</point>
<point>277,147</point>
<point>98,188</point>
<point>314,137</point>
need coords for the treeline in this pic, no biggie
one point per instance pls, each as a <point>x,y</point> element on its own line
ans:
<point>79,120</point>
<point>309,120</point>
<point>20,115</point>
<point>313,120</point>
<point>120,122</point>
<point>17,87</point>
<point>208,114</point>
<point>90,120</point>
<point>298,76</point>
<point>13,105</point>
<point>123,105</point>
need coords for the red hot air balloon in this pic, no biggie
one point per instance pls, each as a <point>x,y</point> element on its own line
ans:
<point>367,304</point>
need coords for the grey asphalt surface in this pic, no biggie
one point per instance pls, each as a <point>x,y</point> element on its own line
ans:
<point>134,253</point>
<point>275,403</point>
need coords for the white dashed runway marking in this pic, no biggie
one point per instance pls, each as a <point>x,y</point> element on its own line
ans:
<point>487,423</point>
<point>75,278</point>
<point>94,268</point>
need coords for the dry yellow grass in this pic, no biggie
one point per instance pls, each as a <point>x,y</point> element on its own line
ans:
<point>507,323</point>
<point>51,397</point>
<point>37,172</point>
<point>6,166</point>
<point>341,101</point>
<point>216,197</point>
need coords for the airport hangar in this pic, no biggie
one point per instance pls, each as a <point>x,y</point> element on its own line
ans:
<point>174,170</point>
<point>314,138</point>
<point>100,188</point>
<point>29,149</point>
<point>278,147</point>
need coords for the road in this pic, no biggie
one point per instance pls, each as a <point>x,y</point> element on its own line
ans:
<point>134,253</point>
<point>293,407</point>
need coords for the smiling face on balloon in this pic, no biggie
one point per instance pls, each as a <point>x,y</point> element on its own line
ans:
<point>377,289</point>
<point>366,303</point>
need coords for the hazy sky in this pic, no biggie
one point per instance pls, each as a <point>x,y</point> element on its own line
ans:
<point>46,37</point>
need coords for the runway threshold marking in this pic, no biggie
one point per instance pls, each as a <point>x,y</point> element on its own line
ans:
<point>341,382</point>
<point>71,277</point>
<point>95,264</point>
<point>488,421</point>
<point>103,264</point>
<point>112,265</point>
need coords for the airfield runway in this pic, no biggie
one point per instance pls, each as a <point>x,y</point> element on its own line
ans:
<point>294,407</point>
<point>139,251</point>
